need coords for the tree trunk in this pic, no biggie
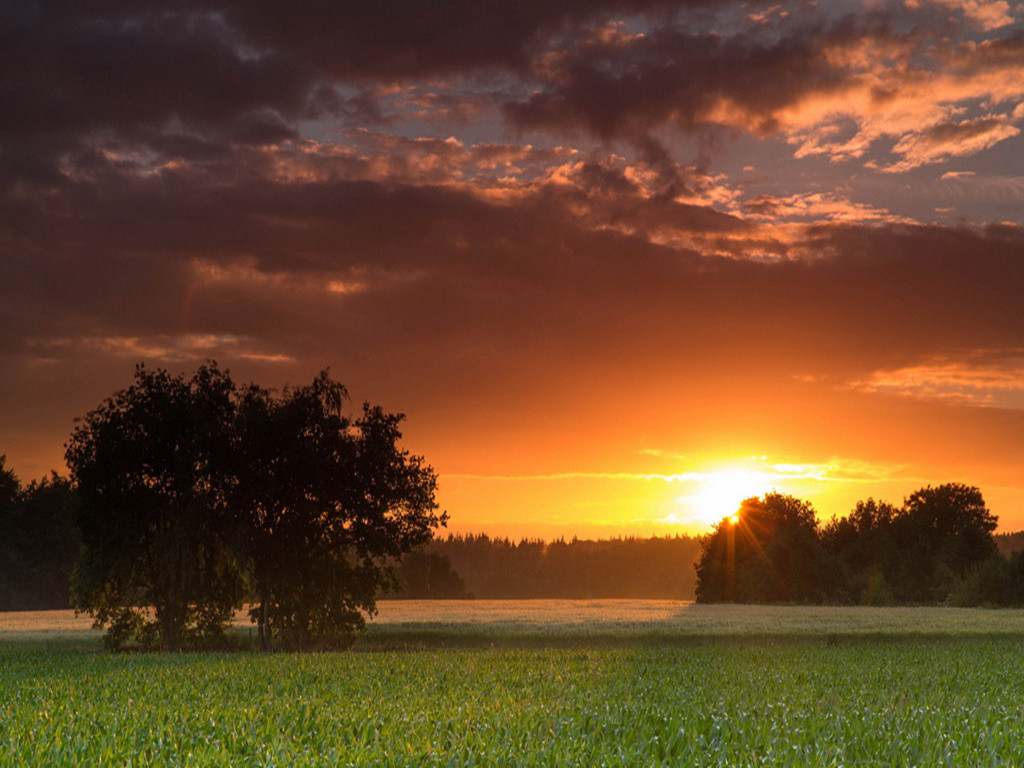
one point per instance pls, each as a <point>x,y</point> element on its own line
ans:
<point>263,622</point>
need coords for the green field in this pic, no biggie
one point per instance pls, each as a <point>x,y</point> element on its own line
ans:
<point>608,683</point>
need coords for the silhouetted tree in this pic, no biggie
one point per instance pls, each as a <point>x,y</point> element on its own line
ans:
<point>941,534</point>
<point>149,465</point>
<point>770,554</point>
<point>990,582</point>
<point>10,490</point>
<point>997,581</point>
<point>10,486</point>
<point>329,503</point>
<point>186,486</point>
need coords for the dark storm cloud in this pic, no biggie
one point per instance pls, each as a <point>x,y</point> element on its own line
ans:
<point>69,69</point>
<point>617,87</point>
<point>174,85</point>
<point>88,88</point>
<point>401,38</point>
<point>812,79</point>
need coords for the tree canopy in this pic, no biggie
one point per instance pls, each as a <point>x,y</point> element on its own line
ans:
<point>196,493</point>
<point>768,552</point>
<point>152,469</point>
<point>328,501</point>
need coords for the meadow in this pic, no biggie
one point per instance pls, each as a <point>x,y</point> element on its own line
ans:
<point>537,683</point>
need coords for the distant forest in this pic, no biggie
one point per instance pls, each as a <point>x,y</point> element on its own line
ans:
<point>653,568</point>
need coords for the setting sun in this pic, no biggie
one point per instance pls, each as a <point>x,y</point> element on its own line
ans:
<point>721,492</point>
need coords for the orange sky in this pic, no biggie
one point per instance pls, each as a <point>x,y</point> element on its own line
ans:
<point>621,264</point>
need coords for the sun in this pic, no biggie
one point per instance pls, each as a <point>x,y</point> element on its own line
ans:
<point>721,492</point>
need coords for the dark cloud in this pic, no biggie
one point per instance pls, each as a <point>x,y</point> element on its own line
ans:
<point>134,81</point>
<point>403,38</point>
<point>193,80</point>
<point>161,77</point>
<point>579,263</point>
<point>692,80</point>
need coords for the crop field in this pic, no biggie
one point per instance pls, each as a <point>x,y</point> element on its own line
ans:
<point>404,624</point>
<point>692,685</point>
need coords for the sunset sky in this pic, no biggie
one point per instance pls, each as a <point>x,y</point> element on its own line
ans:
<point>621,262</point>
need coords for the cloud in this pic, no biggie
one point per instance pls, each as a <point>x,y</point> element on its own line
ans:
<point>159,81</point>
<point>756,472</point>
<point>586,262</point>
<point>947,140</point>
<point>691,80</point>
<point>174,83</point>
<point>815,206</point>
<point>988,14</point>
<point>983,378</point>
<point>210,87</point>
<point>163,349</point>
<point>832,88</point>
<point>838,470</point>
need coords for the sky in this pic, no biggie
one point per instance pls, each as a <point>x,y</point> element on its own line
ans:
<point>622,263</point>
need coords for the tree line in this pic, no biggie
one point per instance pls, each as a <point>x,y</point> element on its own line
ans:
<point>938,546</point>
<point>39,541</point>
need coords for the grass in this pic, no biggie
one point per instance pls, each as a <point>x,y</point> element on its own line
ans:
<point>558,623</point>
<point>567,683</point>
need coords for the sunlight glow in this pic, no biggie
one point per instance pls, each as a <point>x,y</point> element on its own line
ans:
<point>722,491</point>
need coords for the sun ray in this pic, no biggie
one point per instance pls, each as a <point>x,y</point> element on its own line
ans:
<point>721,492</point>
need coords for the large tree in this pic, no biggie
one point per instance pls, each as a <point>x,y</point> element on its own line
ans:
<point>942,532</point>
<point>150,465</point>
<point>769,552</point>
<point>329,502</point>
<point>190,485</point>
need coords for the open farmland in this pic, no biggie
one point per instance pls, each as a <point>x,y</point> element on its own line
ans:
<point>416,624</point>
<point>670,684</point>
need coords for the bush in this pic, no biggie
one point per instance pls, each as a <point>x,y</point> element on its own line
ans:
<point>989,583</point>
<point>877,591</point>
